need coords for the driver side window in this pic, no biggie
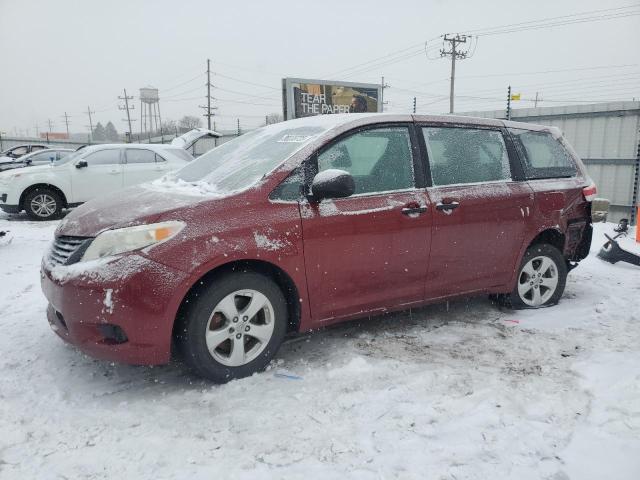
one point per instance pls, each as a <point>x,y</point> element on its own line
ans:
<point>379,159</point>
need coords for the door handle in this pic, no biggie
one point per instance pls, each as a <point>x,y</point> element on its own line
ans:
<point>414,210</point>
<point>114,172</point>
<point>447,207</point>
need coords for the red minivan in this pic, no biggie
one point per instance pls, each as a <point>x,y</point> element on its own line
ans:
<point>311,222</point>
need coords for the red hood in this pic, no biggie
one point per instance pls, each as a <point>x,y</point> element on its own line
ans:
<point>133,206</point>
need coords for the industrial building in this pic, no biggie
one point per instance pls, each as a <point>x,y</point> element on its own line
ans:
<point>607,138</point>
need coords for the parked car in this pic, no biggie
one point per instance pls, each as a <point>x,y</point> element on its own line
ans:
<point>18,151</point>
<point>314,221</point>
<point>40,157</point>
<point>44,191</point>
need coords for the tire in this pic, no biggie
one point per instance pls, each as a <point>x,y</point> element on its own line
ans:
<point>541,279</point>
<point>230,350</point>
<point>43,203</point>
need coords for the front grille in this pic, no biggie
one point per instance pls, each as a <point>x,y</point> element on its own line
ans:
<point>67,250</point>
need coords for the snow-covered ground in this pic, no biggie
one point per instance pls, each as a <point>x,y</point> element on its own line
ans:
<point>469,393</point>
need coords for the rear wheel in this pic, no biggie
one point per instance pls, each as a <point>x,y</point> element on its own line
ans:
<point>541,278</point>
<point>43,203</point>
<point>233,328</point>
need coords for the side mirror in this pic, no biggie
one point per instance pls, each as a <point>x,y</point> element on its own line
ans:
<point>332,183</point>
<point>82,164</point>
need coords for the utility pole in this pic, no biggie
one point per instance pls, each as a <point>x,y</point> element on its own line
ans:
<point>208,106</point>
<point>383,85</point>
<point>126,107</point>
<point>509,103</point>
<point>535,102</point>
<point>414,105</point>
<point>239,131</point>
<point>454,53</point>
<point>89,112</point>
<point>66,121</point>
<point>50,124</point>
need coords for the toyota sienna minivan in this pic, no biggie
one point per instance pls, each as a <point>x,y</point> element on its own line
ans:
<point>315,221</point>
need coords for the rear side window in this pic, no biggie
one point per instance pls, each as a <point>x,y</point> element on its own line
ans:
<point>140,155</point>
<point>543,155</point>
<point>466,155</point>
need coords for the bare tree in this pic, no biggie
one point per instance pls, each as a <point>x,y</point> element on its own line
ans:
<point>169,126</point>
<point>189,122</point>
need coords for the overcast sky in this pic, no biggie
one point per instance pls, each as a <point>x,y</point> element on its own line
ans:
<point>64,56</point>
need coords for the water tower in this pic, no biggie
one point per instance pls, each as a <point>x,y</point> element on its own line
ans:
<point>150,120</point>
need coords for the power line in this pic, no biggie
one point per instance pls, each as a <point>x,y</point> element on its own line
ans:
<point>191,90</point>
<point>199,76</point>
<point>246,94</point>
<point>599,67</point>
<point>548,21</point>
<point>246,81</point>
<point>558,24</point>
<point>405,53</point>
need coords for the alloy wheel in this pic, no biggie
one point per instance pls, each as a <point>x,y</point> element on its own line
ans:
<point>538,281</point>
<point>240,327</point>
<point>43,205</point>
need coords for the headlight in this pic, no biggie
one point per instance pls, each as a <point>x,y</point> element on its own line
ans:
<point>113,242</point>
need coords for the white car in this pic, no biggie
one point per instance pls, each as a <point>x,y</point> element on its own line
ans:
<point>43,191</point>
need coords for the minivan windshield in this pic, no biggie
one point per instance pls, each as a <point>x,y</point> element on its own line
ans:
<point>241,162</point>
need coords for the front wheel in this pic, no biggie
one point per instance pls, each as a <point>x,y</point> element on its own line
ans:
<point>43,204</point>
<point>233,327</point>
<point>541,278</point>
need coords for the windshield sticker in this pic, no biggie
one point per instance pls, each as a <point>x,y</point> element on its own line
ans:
<point>295,138</point>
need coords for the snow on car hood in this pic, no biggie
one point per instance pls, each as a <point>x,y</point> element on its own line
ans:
<point>35,169</point>
<point>132,206</point>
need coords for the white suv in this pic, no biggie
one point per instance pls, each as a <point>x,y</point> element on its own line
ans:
<point>43,191</point>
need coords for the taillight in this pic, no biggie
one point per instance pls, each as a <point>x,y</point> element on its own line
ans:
<point>590,192</point>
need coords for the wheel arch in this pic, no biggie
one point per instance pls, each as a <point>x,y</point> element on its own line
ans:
<point>33,187</point>
<point>282,279</point>
<point>552,236</point>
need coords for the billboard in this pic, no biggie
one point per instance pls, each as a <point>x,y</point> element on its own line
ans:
<point>305,97</point>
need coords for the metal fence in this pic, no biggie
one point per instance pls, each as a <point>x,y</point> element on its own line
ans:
<point>607,138</point>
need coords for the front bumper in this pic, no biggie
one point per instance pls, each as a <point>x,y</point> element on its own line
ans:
<point>9,208</point>
<point>131,296</point>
